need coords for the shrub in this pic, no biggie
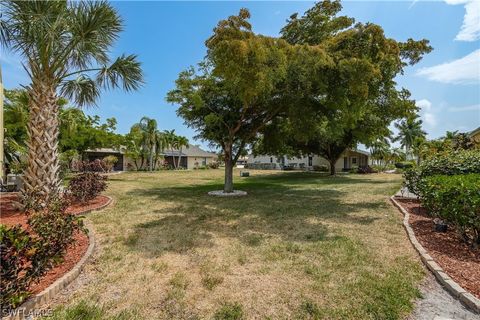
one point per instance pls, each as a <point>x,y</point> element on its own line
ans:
<point>17,248</point>
<point>455,199</point>
<point>109,162</point>
<point>28,255</point>
<point>366,169</point>
<point>86,186</point>
<point>404,165</point>
<point>96,165</point>
<point>55,227</point>
<point>453,163</point>
<point>320,168</point>
<point>214,165</point>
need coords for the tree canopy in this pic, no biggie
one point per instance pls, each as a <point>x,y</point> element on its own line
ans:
<point>359,97</point>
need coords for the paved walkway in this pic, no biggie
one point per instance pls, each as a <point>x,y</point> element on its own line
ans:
<point>438,304</point>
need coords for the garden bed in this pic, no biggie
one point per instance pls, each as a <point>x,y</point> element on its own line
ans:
<point>460,261</point>
<point>11,215</point>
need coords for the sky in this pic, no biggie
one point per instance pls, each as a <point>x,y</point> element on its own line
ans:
<point>168,37</point>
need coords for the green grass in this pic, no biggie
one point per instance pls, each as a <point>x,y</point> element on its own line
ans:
<point>299,246</point>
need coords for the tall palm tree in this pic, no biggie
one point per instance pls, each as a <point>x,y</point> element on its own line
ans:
<point>180,143</point>
<point>64,46</point>
<point>171,142</point>
<point>409,129</point>
<point>149,130</point>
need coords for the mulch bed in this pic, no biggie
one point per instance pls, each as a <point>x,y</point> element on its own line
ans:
<point>10,215</point>
<point>460,261</point>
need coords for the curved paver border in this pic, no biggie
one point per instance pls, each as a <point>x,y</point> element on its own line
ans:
<point>51,291</point>
<point>452,287</point>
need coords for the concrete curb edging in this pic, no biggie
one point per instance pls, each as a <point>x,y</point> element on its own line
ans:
<point>52,290</point>
<point>468,299</point>
<point>103,206</point>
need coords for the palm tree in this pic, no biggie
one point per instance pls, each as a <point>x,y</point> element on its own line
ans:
<point>149,131</point>
<point>180,143</point>
<point>409,130</point>
<point>64,46</point>
<point>380,149</point>
<point>171,142</point>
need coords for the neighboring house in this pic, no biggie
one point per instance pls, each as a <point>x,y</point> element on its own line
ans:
<point>348,160</point>
<point>100,153</point>
<point>475,135</point>
<point>190,158</point>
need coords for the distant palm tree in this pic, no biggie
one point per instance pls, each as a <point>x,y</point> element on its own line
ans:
<point>409,130</point>
<point>380,149</point>
<point>180,143</point>
<point>149,136</point>
<point>64,46</point>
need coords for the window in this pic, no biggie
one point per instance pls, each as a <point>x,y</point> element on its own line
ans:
<point>354,160</point>
<point>310,161</point>
<point>271,159</point>
<point>204,162</point>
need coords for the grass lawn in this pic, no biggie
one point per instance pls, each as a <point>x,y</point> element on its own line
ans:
<point>299,246</point>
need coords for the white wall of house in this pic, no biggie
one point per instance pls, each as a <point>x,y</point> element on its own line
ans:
<point>195,162</point>
<point>350,159</point>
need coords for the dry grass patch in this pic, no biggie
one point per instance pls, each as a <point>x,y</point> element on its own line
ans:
<point>299,246</point>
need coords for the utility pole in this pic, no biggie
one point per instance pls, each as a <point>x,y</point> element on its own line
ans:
<point>2,137</point>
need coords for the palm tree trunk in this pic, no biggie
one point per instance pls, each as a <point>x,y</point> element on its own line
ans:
<point>42,173</point>
<point>179,157</point>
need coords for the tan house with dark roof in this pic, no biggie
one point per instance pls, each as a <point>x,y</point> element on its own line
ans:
<point>475,135</point>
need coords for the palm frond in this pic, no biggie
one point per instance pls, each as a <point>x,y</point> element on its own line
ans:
<point>83,90</point>
<point>125,72</point>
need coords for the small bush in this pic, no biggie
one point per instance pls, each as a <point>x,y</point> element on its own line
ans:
<point>109,162</point>
<point>27,255</point>
<point>213,165</point>
<point>55,228</point>
<point>455,199</point>
<point>366,169</point>
<point>86,186</point>
<point>321,168</point>
<point>17,248</point>
<point>404,165</point>
<point>96,165</point>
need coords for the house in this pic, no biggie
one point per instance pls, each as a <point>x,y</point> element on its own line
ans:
<point>100,153</point>
<point>475,135</point>
<point>190,158</point>
<point>348,160</point>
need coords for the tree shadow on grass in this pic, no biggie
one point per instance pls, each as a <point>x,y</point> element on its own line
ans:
<point>273,208</point>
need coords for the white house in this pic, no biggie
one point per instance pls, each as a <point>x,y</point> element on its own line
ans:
<point>348,160</point>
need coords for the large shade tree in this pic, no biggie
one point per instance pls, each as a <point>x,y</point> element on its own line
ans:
<point>359,98</point>
<point>64,47</point>
<point>243,84</point>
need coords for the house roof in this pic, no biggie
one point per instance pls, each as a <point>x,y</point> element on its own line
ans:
<point>361,151</point>
<point>474,132</point>
<point>191,151</point>
<point>105,150</point>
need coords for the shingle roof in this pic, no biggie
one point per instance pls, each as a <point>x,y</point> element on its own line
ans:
<point>191,151</point>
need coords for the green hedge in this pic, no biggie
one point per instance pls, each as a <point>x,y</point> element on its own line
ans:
<point>454,163</point>
<point>456,199</point>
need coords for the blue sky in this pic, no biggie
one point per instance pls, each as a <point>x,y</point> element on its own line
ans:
<point>169,36</point>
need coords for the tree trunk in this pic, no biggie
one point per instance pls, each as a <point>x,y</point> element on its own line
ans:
<point>42,173</point>
<point>332,167</point>
<point>179,157</point>
<point>228,185</point>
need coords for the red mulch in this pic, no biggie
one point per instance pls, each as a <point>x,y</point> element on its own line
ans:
<point>10,215</point>
<point>460,261</point>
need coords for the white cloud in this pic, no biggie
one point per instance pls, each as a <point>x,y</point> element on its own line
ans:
<point>470,30</point>
<point>427,114</point>
<point>465,70</point>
